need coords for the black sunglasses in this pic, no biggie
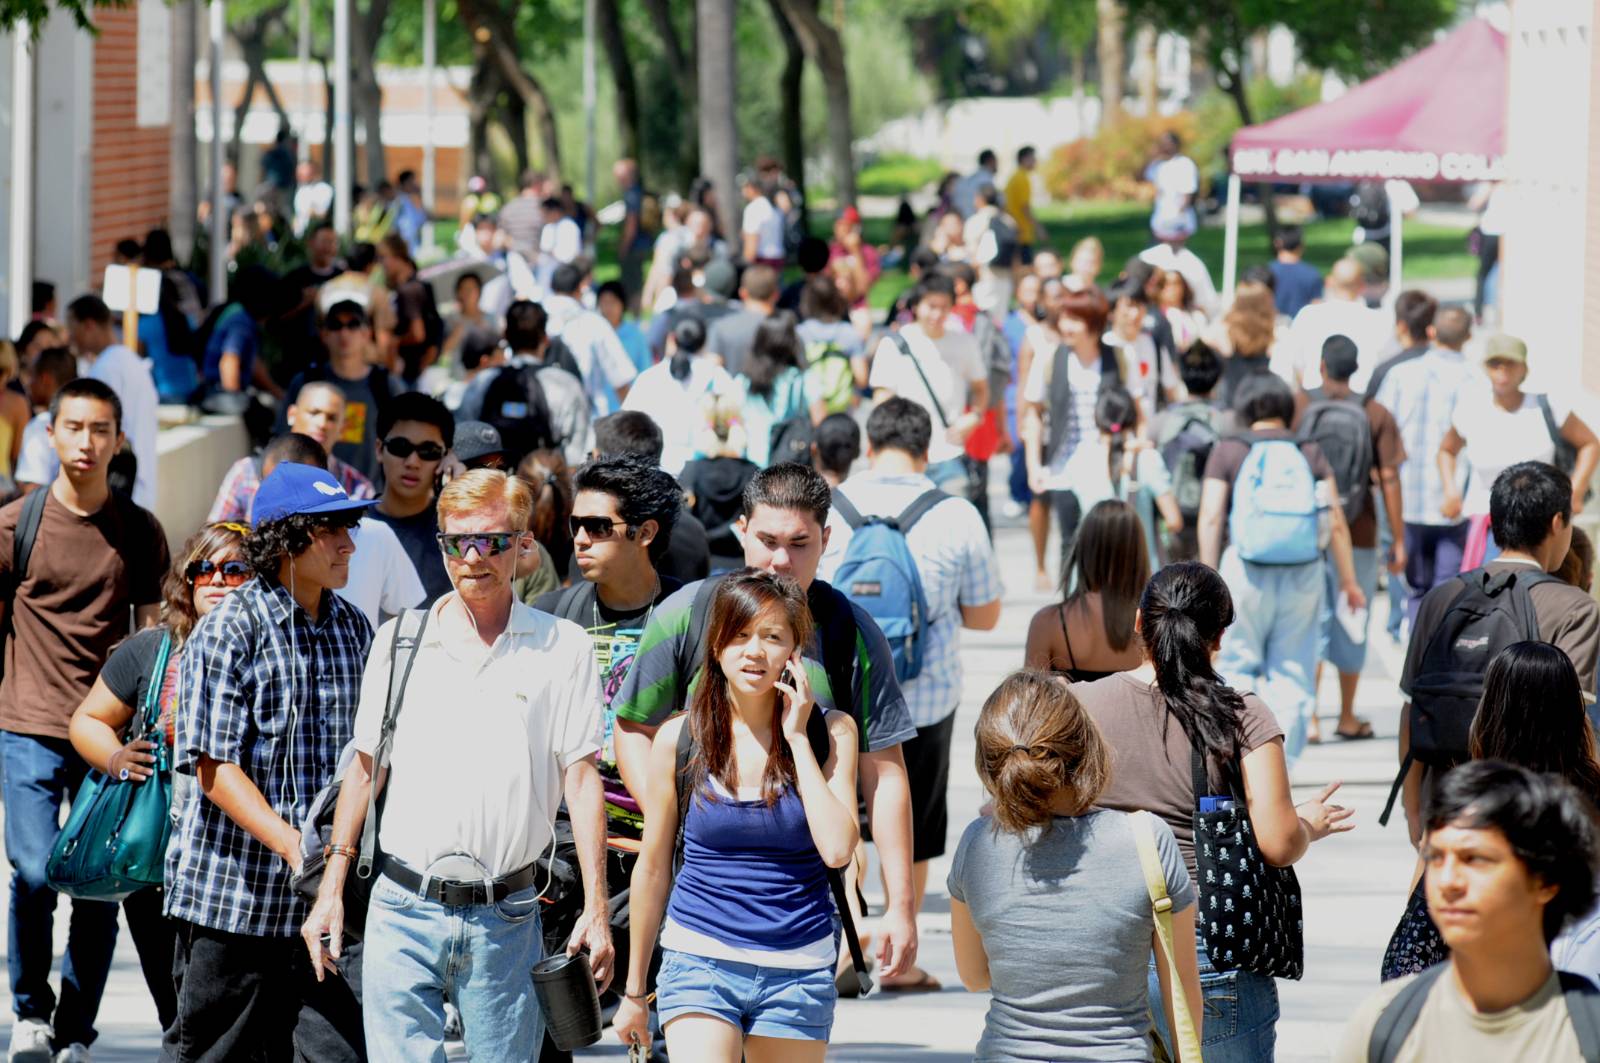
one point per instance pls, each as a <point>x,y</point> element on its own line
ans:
<point>234,573</point>
<point>343,324</point>
<point>488,544</point>
<point>403,448</point>
<point>597,528</point>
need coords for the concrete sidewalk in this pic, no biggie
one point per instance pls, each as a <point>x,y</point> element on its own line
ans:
<point>1354,885</point>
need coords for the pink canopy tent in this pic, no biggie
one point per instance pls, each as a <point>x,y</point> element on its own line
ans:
<point>1437,116</point>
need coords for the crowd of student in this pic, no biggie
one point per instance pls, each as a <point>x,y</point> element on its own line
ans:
<point>596,639</point>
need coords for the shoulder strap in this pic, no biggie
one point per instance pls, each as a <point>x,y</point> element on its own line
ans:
<point>699,620</point>
<point>918,509</point>
<point>1155,881</point>
<point>152,692</point>
<point>28,522</point>
<point>1549,419</point>
<point>905,349</point>
<point>836,624</point>
<point>1110,363</point>
<point>408,629</point>
<point>685,788</point>
<point>567,603</point>
<point>1394,1023</point>
<point>846,509</point>
<point>1583,1008</point>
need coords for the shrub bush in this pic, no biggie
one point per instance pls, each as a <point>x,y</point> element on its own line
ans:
<point>1110,164</point>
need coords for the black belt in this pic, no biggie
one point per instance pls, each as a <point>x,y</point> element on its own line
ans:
<point>457,892</point>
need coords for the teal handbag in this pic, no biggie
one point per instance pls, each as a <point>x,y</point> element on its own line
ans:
<point>115,840</point>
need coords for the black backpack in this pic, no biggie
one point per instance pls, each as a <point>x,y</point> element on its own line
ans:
<point>1370,206</point>
<point>515,404</point>
<point>1341,428</point>
<point>1007,242</point>
<point>1400,1015</point>
<point>791,441</point>
<point>1493,610</point>
<point>1566,456</point>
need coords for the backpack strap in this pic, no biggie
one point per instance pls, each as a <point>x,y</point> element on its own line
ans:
<point>1111,366</point>
<point>1394,791</point>
<point>27,532</point>
<point>905,349</point>
<point>836,626</point>
<point>699,619</point>
<point>918,509</point>
<point>567,604</point>
<point>1396,1020</point>
<point>817,735</point>
<point>846,509</point>
<point>1549,419</point>
<point>408,629</point>
<point>1583,1008</point>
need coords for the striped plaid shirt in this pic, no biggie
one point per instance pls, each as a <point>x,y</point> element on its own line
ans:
<point>262,686</point>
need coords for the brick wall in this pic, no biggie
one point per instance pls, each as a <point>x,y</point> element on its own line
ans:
<point>128,184</point>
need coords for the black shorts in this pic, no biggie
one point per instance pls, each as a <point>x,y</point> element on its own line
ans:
<point>927,759</point>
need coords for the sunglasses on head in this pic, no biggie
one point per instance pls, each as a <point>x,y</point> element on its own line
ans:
<point>487,544</point>
<point>403,448</point>
<point>234,573</point>
<point>597,528</point>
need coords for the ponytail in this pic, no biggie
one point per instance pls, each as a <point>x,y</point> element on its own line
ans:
<point>1039,751</point>
<point>688,339</point>
<point>678,365</point>
<point>1183,613</point>
<point>1116,414</point>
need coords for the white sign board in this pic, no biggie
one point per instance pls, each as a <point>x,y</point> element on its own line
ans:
<point>146,294</point>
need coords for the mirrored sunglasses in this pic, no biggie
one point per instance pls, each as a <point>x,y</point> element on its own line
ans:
<point>487,544</point>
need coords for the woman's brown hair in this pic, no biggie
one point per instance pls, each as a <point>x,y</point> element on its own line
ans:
<point>740,599</point>
<point>1252,321</point>
<point>548,477</point>
<point>1035,745</point>
<point>1109,558</point>
<point>177,593</point>
<point>1088,306</point>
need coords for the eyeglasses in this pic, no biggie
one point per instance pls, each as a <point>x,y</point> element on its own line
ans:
<point>234,573</point>
<point>403,448</point>
<point>597,528</point>
<point>344,324</point>
<point>488,544</point>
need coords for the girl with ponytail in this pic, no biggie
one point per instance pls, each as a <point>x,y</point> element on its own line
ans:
<point>1175,702</point>
<point>1067,973</point>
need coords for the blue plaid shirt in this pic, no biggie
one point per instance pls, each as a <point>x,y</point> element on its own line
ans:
<point>958,567</point>
<point>1421,394</point>
<point>262,686</point>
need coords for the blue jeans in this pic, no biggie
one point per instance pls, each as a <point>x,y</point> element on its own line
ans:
<point>417,951</point>
<point>1338,649</point>
<point>38,774</point>
<point>1397,584</point>
<point>1241,1012</point>
<point>1272,646</point>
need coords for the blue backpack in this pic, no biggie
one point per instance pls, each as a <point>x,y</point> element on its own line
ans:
<point>880,575</point>
<point>1275,518</point>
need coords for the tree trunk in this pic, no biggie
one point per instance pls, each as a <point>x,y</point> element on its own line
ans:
<point>240,111</point>
<point>1113,58</point>
<point>1080,72</point>
<point>487,16</point>
<point>608,18</point>
<point>794,68</point>
<point>825,48</point>
<point>515,118</point>
<point>328,173</point>
<point>719,133</point>
<point>183,153</point>
<point>680,61</point>
<point>1144,48</point>
<point>1233,84</point>
<point>366,94</point>
<point>482,93</point>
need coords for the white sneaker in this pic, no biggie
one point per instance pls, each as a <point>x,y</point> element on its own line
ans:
<point>73,1053</point>
<point>30,1042</point>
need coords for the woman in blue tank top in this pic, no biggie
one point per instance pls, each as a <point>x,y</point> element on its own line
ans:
<point>748,938</point>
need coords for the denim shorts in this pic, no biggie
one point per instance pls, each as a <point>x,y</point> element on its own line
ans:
<point>1240,1020</point>
<point>760,1001</point>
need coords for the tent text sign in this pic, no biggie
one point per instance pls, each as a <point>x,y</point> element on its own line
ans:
<point>1367,164</point>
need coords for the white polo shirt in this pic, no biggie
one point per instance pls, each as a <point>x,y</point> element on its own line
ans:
<point>482,739</point>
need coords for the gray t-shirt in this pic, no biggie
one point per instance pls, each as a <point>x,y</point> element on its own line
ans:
<point>1066,923</point>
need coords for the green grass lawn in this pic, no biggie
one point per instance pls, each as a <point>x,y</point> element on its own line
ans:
<point>1431,251</point>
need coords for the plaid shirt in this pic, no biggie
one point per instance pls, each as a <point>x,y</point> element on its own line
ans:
<point>958,567</point>
<point>1421,394</point>
<point>237,494</point>
<point>261,686</point>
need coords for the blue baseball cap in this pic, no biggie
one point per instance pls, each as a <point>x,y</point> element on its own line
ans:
<point>294,488</point>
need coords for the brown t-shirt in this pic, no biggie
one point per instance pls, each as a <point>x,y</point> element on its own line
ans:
<point>1568,618</point>
<point>1150,752</point>
<point>76,601</point>
<point>1388,451</point>
<point>1227,457</point>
